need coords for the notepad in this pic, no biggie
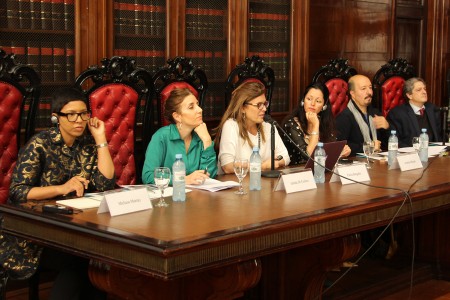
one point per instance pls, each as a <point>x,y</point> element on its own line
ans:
<point>83,202</point>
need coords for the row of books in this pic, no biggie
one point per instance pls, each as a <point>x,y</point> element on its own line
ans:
<point>202,22</point>
<point>134,18</point>
<point>265,26</point>
<point>212,62</point>
<point>213,105</point>
<point>277,59</point>
<point>53,61</point>
<point>37,14</point>
<point>149,59</point>
<point>280,99</point>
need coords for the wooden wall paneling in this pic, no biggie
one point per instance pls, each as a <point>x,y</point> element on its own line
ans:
<point>299,73</point>
<point>437,34</point>
<point>176,31</point>
<point>237,33</point>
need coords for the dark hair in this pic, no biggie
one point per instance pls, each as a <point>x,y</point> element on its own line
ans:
<point>326,127</point>
<point>62,96</point>
<point>174,101</point>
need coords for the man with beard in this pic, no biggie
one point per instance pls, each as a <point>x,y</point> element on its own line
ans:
<point>409,118</point>
<point>360,122</point>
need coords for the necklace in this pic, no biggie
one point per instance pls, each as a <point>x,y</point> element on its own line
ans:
<point>259,139</point>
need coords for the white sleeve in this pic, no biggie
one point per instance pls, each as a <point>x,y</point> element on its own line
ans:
<point>229,141</point>
<point>280,148</point>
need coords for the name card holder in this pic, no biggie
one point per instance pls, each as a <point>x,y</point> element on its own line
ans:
<point>296,181</point>
<point>124,202</point>
<point>356,172</point>
<point>409,161</point>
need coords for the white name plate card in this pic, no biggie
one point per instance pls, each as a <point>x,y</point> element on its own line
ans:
<point>409,161</point>
<point>352,173</point>
<point>125,202</point>
<point>296,182</point>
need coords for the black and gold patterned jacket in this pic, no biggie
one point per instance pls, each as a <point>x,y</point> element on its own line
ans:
<point>46,160</point>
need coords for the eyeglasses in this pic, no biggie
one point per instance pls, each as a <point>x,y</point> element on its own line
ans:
<point>259,105</point>
<point>73,117</point>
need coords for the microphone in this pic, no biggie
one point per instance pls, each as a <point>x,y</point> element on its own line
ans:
<point>268,119</point>
<point>272,173</point>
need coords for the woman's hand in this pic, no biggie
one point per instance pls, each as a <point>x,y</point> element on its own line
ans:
<point>197,177</point>
<point>346,151</point>
<point>203,134</point>
<point>377,146</point>
<point>97,129</point>
<point>313,121</point>
<point>77,184</point>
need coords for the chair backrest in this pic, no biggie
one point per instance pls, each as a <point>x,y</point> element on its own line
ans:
<point>335,76</point>
<point>388,84</point>
<point>177,73</point>
<point>120,94</point>
<point>20,88</point>
<point>254,70</point>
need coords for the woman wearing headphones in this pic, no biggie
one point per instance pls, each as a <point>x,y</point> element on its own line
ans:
<point>312,121</point>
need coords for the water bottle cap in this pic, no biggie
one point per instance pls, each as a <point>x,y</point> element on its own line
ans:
<point>320,144</point>
<point>424,130</point>
<point>393,131</point>
<point>178,156</point>
<point>255,149</point>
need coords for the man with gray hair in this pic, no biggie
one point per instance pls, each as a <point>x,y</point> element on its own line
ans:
<point>409,118</point>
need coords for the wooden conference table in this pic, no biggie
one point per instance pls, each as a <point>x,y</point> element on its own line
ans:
<point>218,245</point>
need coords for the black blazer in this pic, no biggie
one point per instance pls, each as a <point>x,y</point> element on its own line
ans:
<point>403,119</point>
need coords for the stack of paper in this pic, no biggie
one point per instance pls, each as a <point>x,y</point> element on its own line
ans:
<point>214,185</point>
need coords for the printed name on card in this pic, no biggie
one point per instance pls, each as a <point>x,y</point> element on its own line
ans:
<point>353,173</point>
<point>296,182</point>
<point>124,202</point>
<point>409,161</point>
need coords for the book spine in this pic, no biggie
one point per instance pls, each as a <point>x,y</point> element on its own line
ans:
<point>3,15</point>
<point>70,62</point>
<point>47,62</point>
<point>59,62</point>
<point>46,14</point>
<point>69,15</point>
<point>58,14</point>
<point>35,14</point>
<point>12,13</point>
<point>24,14</point>
<point>33,55</point>
<point>18,48</point>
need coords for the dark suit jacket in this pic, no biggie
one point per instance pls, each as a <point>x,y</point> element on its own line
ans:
<point>347,129</point>
<point>403,119</point>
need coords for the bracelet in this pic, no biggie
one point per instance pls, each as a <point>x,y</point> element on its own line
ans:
<point>313,133</point>
<point>105,144</point>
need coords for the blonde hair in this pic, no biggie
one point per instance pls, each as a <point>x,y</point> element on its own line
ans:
<point>244,93</point>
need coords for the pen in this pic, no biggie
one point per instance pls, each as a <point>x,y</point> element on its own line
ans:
<point>206,170</point>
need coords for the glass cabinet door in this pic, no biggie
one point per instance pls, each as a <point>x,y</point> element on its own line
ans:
<point>268,35</point>
<point>206,45</point>
<point>140,31</point>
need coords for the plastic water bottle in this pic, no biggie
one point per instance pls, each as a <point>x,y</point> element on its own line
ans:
<point>255,170</point>
<point>179,174</point>
<point>320,157</point>
<point>392,147</point>
<point>423,148</point>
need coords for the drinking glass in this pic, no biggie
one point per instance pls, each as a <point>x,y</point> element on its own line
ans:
<point>369,148</point>
<point>240,169</point>
<point>162,179</point>
<point>416,143</point>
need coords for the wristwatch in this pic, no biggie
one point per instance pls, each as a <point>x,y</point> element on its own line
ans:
<point>279,157</point>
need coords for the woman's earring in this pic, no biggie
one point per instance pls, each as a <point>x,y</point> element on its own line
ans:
<point>302,103</point>
<point>324,107</point>
<point>180,125</point>
<point>243,116</point>
<point>54,120</point>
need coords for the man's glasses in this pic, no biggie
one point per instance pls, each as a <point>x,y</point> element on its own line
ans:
<point>73,117</point>
<point>259,105</point>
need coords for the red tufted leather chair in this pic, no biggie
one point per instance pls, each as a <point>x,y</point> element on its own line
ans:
<point>252,70</point>
<point>19,89</point>
<point>388,84</point>
<point>178,73</point>
<point>335,76</point>
<point>120,94</point>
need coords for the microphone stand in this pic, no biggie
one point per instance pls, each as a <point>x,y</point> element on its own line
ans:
<point>444,125</point>
<point>272,173</point>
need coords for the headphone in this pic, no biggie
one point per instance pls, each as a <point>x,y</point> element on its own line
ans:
<point>323,107</point>
<point>54,119</point>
